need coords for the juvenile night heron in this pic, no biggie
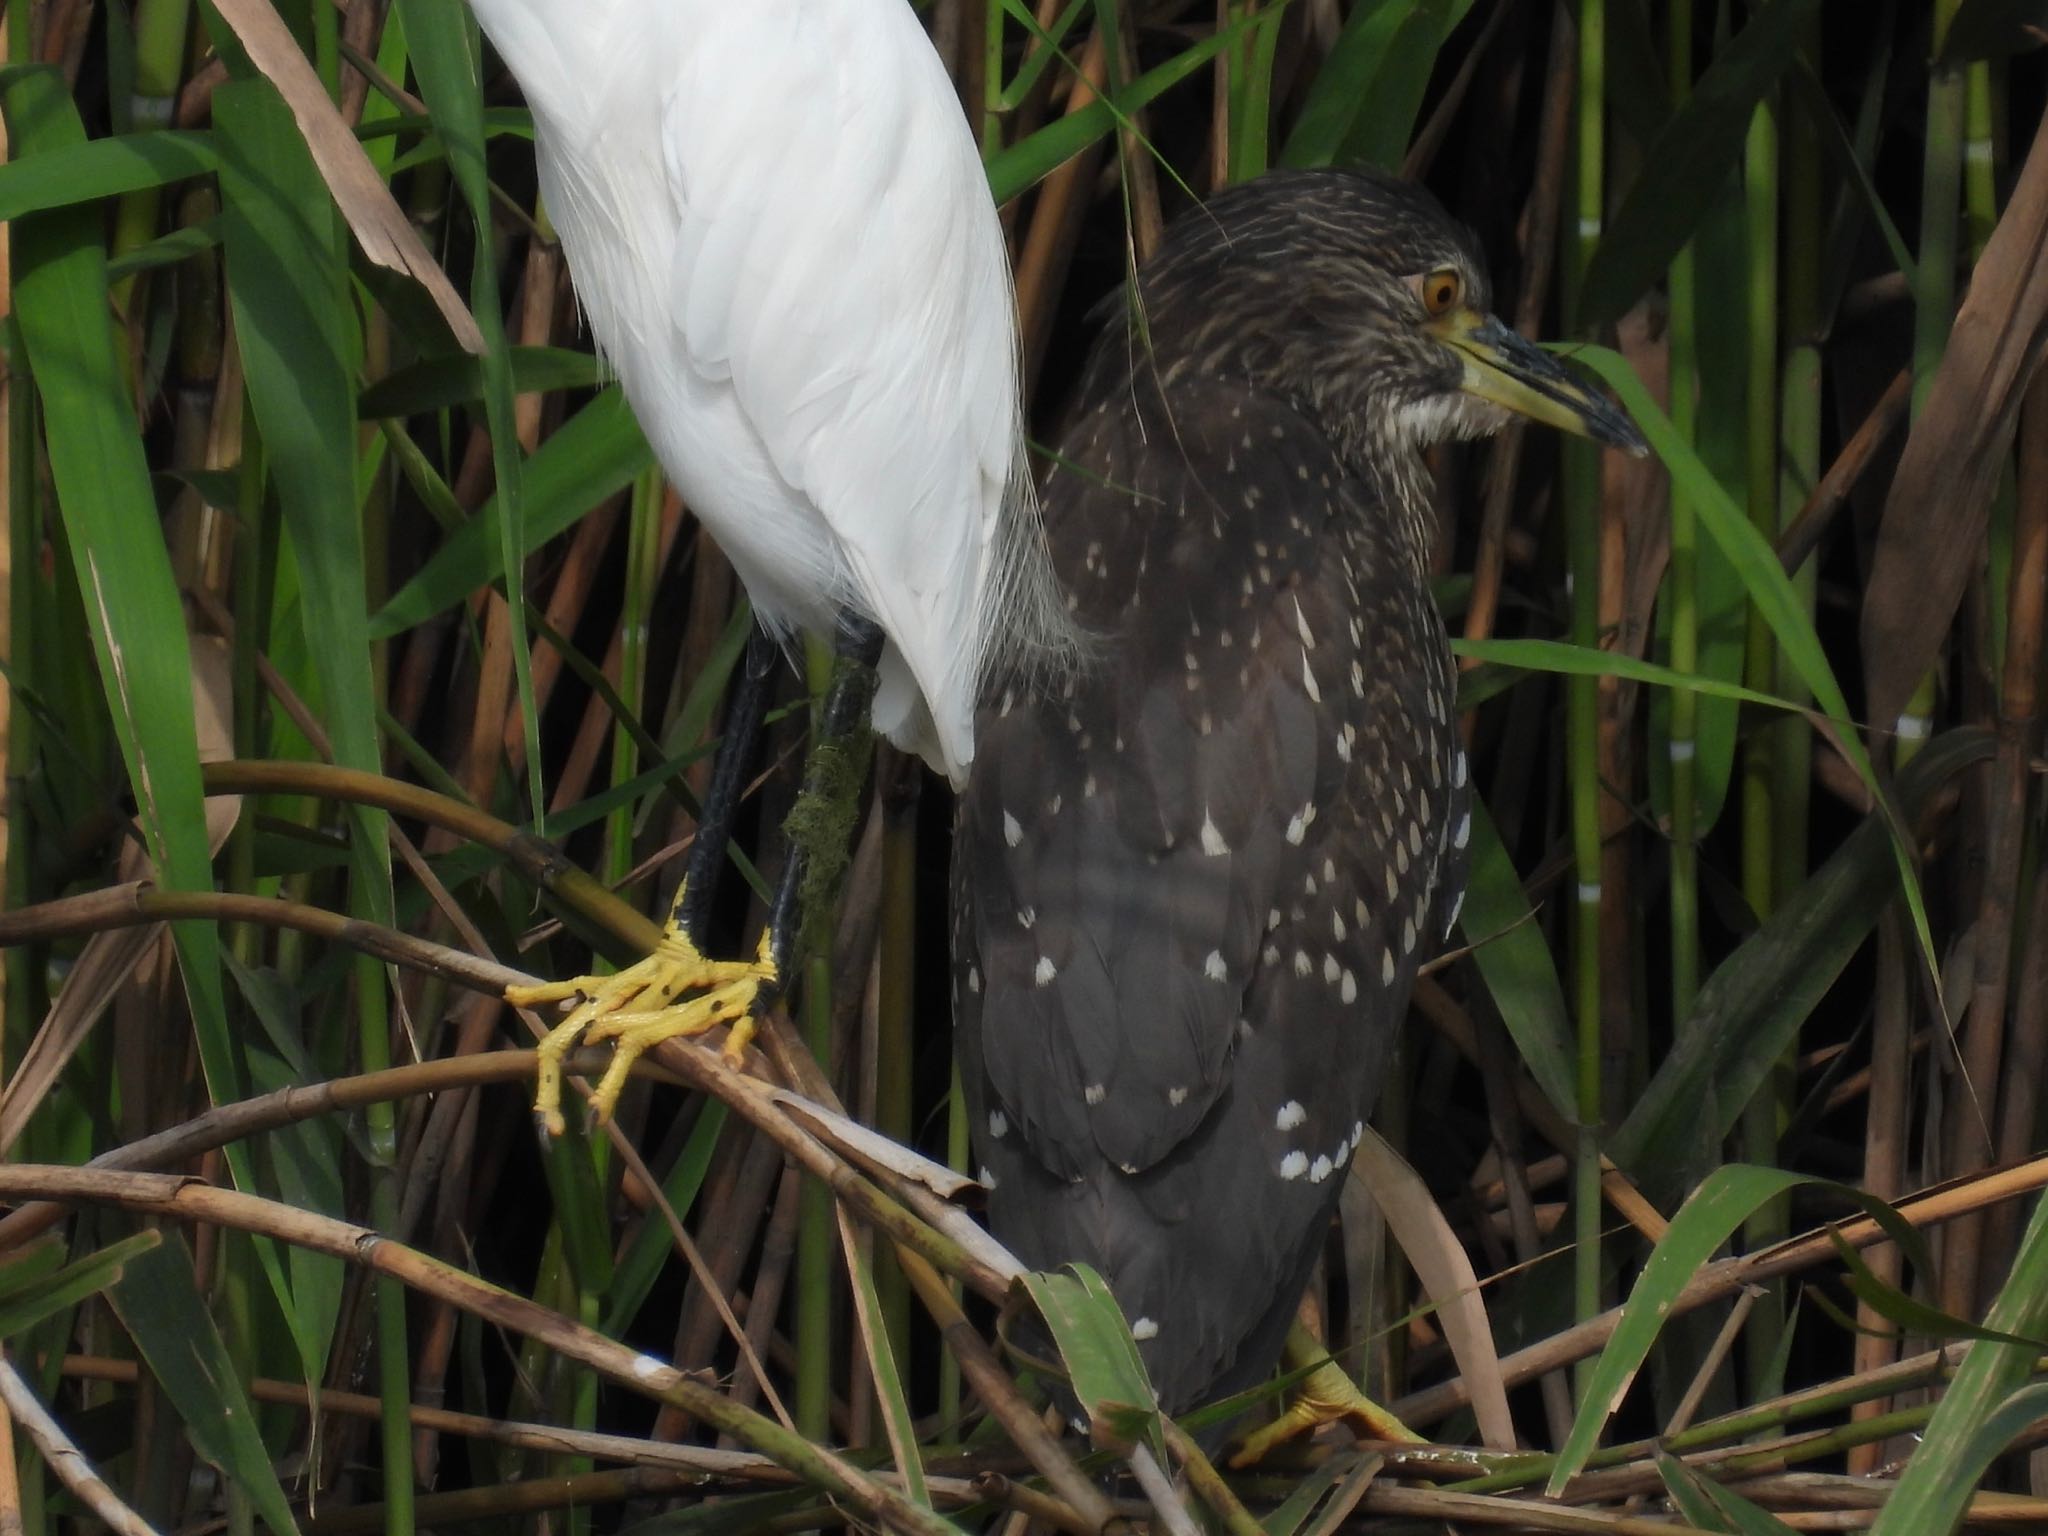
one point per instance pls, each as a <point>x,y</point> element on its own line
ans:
<point>1191,889</point>
<point>778,225</point>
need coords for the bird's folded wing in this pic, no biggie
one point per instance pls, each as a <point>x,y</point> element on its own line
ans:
<point>845,272</point>
<point>1129,853</point>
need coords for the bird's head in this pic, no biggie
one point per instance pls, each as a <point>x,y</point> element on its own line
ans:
<point>1358,295</point>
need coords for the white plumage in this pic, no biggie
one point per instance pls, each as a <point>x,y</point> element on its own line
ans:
<point>779,229</point>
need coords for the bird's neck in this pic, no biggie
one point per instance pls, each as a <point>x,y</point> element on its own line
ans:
<point>1406,492</point>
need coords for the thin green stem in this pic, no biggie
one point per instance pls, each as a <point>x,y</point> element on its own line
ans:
<point>160,28</point>
<point>643,576</point>
<point>1760,185</point>
<point>1980,169</point>
<point>1799,466</point>
<point>238,1301</point>
<point>1763,1116</point>
<point>255,572</point>
<point>1682,589</point>
<point>583,1388</point>
<point>1940,198</point>
<point>1582,513</point>
<point>992,80</point>
<point>24,537</point>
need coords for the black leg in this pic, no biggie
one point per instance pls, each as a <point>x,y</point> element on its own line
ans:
<point>728,779</point>
<point>819,824</point>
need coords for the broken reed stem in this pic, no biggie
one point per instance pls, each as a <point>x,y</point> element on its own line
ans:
<point>182,1199</point>
<point>1941,1204</point>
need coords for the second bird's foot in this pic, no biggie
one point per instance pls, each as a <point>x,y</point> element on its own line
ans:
<point>673,993</point>
<point>1325,1396</point>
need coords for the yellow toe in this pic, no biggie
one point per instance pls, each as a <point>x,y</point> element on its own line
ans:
<point>638,1009</point>
<point>1325,1396</point>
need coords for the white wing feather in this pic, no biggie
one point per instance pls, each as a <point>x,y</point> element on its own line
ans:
<point>841,265</point>
<point>779,228</point>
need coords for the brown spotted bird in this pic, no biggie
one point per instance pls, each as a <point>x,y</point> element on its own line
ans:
<point>1193,885</point>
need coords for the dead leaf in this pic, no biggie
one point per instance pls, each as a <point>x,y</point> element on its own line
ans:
<point>381,228</point>
<point>1446,1273</point>
<point>1932,535</point>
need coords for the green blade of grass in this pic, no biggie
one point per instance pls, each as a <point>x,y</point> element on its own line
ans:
<point>158,1302</point>
<point>1774,597</point>
<point>31,1297</point>
<point>641,1264</point>
<point>130,594</point>
<point>1911,1314</point>
<point>1094,1339</point>
<point>288,288</point>
<point>1711,1507</point>
<point>292,320</point>
<point>1983,1407</point>
<point>1698,146</point>
<point>1751,1007</point>
<point>457,378</point>
<point>1516,965</point>
<point>445,57</point>
<point>595,454</point>
<point>1027,162</point>
<point>1568,660</point>
<point>880,1352</point>
<point>87,172</point>
<point>1727,1198</point>
<point>1362,106</point>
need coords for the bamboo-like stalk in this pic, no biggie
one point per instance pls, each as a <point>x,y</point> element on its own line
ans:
<point>1788,756</point>
<point>1541,253</point>
<point>1048,245</point>
<point>23,999</point>
<point>643,579</point>
<point>1681,583</point>
<point>237,1301</point>
<point>20,998</point>
<point>989,121</point>
<point>1763,1116</point>
<point>1760,187</point>
<point>1582,693</point>
<point>159,36</point>
<point>1800,424</point>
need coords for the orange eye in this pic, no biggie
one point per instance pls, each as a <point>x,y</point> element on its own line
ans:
<point>1441,291</point>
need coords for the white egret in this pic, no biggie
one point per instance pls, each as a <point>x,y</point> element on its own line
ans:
<point>778,226</point>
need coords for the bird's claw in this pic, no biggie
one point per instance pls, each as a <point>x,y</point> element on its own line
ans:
<point>1325,1396</point>
<point>637,1010</point>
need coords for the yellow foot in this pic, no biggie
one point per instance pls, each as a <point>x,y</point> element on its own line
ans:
<point>1326,1396</point>
<point>638,1009</point>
